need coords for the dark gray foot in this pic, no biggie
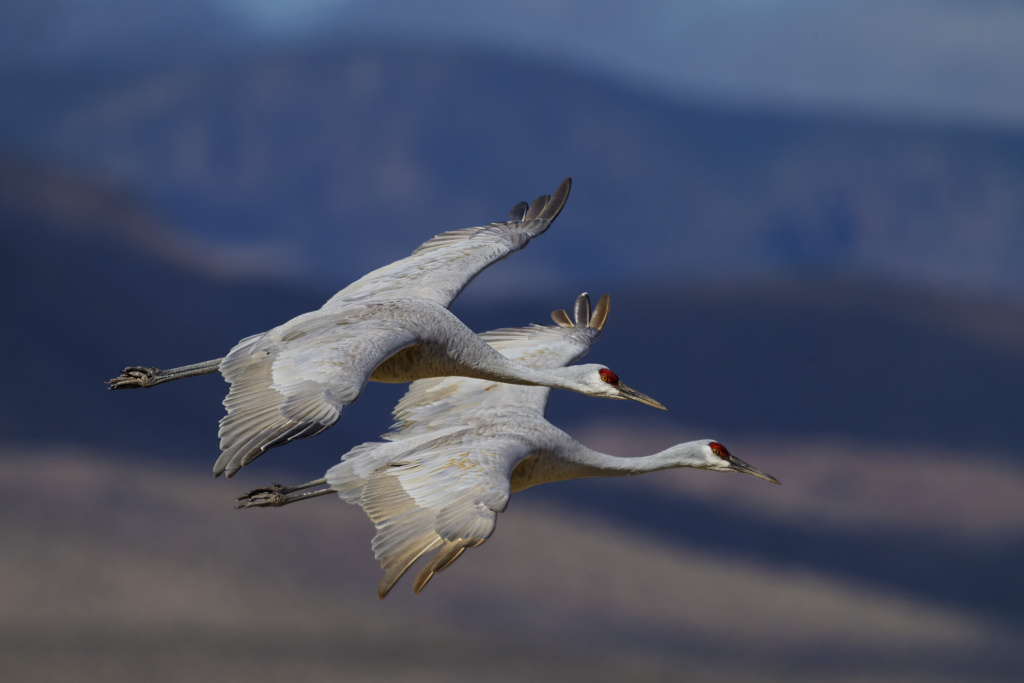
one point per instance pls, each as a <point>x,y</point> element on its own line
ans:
<point>267,496</point>
<point>135,377</point>
<point>139,377</point>
<point>276,495</point>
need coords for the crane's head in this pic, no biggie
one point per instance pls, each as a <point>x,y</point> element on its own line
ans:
<point>597,380</point>
<point>717,457</point>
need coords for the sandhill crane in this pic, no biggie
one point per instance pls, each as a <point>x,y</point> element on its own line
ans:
<point>391,325</point>
<point>461,446</point>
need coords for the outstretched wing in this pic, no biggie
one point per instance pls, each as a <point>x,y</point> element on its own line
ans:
<point>294,386</point>
<point>442,267</point>
<point>440,481</point>
<point>293,381</point>
<point>438,403</point>
<point>439,494</point>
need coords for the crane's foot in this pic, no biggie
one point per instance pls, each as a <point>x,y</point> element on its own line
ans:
<point>276,495</point>
<point>136,377</point>
<point>266,496</point>
<point>140,377</point>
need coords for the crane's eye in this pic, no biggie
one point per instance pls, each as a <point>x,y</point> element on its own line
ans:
<point>609,376</point>
<point>718,449</point>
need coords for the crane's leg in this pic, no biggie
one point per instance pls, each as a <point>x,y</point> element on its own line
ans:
<point>138,377</point>
<point>277,495</point>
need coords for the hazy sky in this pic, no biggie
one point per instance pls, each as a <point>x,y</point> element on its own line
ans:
<point>960,60</point>
<point>942,59</point>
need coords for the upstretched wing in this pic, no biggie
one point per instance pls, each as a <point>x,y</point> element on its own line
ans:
<point>442,267</point>
<point>441,494</point>
<point>296,386</point>
<point>440,481</point>
<point>437,403</point>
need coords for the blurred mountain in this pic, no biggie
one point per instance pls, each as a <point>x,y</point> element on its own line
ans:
<point>352,154</point>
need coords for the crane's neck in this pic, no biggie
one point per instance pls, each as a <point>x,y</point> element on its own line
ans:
<point>466,355</point>
<point>511,372</point>
<point>573,460</point>
<point>681,455</point>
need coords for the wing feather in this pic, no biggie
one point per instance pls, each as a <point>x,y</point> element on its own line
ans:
<point>443,476</point>
<point>442,493</point>
<point>283,391</point>
<point>442,266</point>
<point>443,402</point>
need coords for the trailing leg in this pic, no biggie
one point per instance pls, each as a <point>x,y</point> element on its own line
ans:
<point>138,377</point>
<point>276,495</point>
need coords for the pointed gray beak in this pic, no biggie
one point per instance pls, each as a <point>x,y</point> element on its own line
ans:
<point>634,395</point>
<point>738,465</point>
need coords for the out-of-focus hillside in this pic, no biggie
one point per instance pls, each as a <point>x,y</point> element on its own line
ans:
<point>348,153</point>
<point>147,572</point>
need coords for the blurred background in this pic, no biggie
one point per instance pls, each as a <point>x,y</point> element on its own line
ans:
<point>810,217</point>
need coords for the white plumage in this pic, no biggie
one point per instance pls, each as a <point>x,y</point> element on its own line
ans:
<point>461,446</point>
<point>391,325</point>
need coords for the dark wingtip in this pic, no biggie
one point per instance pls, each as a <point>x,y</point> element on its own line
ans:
<point>547,207</point>
<point>562,319</point>
<point>557,201</point>
<point>518,212</point>
<point>582,310</point>
<point>534,212</point>
<point>600,314</point>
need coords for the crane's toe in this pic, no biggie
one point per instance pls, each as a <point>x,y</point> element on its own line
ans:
<point>135,377</point>
<point>266,496</point>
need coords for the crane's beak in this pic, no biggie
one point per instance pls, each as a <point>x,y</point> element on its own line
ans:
<point>634,395</point>
<point>738,465</point>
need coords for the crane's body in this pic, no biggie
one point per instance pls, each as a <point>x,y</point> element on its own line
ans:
<point>391,325</point>
<point>460,447</point>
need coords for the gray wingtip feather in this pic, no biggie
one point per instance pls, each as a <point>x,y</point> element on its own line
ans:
<point>536,207</point>
<point>582,310</point>
<point>518,212</point>
<point>600,314</point>
<point>557,201</point>
<point>562,319</point>
<point>547,207</point>
<point>448,553</point>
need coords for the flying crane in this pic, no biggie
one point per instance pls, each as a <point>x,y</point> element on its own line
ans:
<point>460,447</point>
<point>391,325</point>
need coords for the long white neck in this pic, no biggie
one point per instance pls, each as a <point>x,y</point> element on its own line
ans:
<point>511,372</point>
<point>470,356</point>
<point>576,461</point>
<point>603,465</point>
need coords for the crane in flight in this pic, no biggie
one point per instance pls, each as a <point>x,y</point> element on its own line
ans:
<point>460,447</point>
<point>391,325</point>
